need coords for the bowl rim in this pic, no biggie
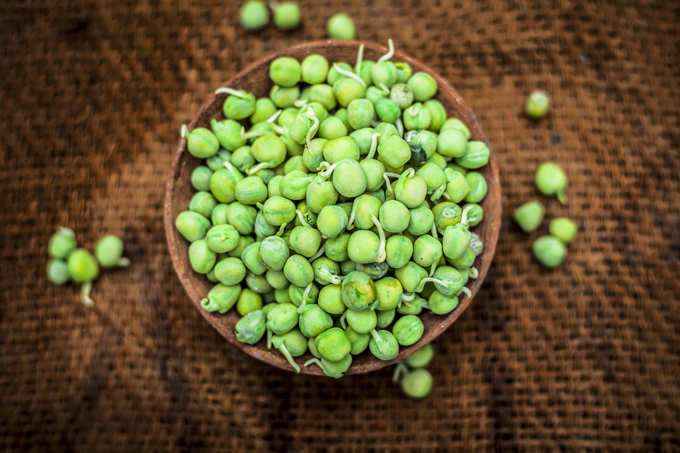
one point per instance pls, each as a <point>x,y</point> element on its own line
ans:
<point>465,114</point>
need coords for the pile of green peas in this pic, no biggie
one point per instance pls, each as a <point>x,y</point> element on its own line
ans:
<point>414,379</point>
<point>70,263</point>
<point>550,250</point>
<point>336,211</point>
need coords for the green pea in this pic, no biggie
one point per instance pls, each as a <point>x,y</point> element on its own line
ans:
<point>201,258</point>
<point>359,341</point>
<point>401,96</point>
<point>374,270</point>
<point>109,252</point>
<point>360,113</point>
<point>388,292</point>
<point>192,225</point>
<point>475,214</point>
<point>291,344</point>
<point>278,210</point>
<point>363,138</point>
<point>312,156</point>
<point>427,250</point>
<point>202,203</point>
<point>274,186</point>
<point>248,301</point>
<point>383,345</point>
<point>281,295</point>
<point>347,90</point>
<point>282,318</point>
<point>330,300</point>
<point>332,221</point>
<point>238,108</point>
<point>243,242</point>
<point>529,216</point>
<point>365,71</point>
<point>465,261</point>
<point>243,158</point>
<point>394,216</point>
<point>259,284</point>
<point>340,26</point>
<point>563,229</point>
<point>358,290</point>
<point>264,109</point>
<point>363,321</point>
<point>423,85</point>
<point>285,71</point>
<point>441,304</point>
<point>363,247</point>
<point>456,239</point>
<point>284,97</point>
<point>365,208</point>
<point>394,151</point>
<point>476,155</point>
<point>452,143</point>
<point>537,104</point>
<point>294,185</point>
<point>374,94</point>
<point>421,358</point>
<point>62,243</point>
<point>323,94</point>
<point>332,128</point>
<point>336,248</point>
<point>437,114</point>
<point>254,15</point>
<point>218,160</point>
<point>385,318</point>
<point>276,279</point>
<point>305,240</point>
<point>333,344</point>
<point>421,220</point>
<point>408,330</point>
<point>200,178</point>
<point>334,75</point>
<point>399,250</point>
<point>241,217</point>
<point>438,160</point>
<point>459,187</point>
<point>270,150</point>
<point>386,130</point>
<point>250,329</point>
<point>287,117</point>
<point>314,69</point>
<point>252,260</point>
<point>274,252</point>
<point>449,281</point>
<point>250,190</point>
<point>416,117</point>
<point>313,321</point>
<point>417,383</point>
<point>410,190</point>
<point>413,307</point>
<point>478,188</point>
<point>334,370</point>
<point>373,170</point>
<point>432,175</point>
<point>384,73</point>
<point>221,298</point>
<point>549,251</point>
<point>326,271</point>
<point>57,271</point>
<point>294,163</point>
<point>298,271</point>
<point>341,148</point>
<point>387,110</point>
<point>202,143</point>
<point>455,123</point>
<point>446,214</point>
<point>552,180</point>
<point>222,238</point>
<point>410,276</point>
<point>223,184</point>
<point>230,271</point>
<point>286,15</point>
<point>298,295</point>
<point>349,178</point>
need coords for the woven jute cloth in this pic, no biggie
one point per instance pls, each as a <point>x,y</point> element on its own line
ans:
<point>583,357</point>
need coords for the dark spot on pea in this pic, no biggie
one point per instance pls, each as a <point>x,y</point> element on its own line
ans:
<point>418,155</point>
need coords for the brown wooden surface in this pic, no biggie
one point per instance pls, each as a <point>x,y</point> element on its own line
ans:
<point>255,79</point>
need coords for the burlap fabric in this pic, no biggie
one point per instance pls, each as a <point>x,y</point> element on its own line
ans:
<point>583,357</point>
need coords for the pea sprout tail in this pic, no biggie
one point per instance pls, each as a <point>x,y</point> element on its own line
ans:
<point>309,113</point>
<point>422,283</point>
<point>278,129</point>
<point>434,231</point>
<point>350,222</point>
<point>374,305</point>
<point>399,370</point>
<point>332,278</point>
<point>226,90</point>
<point>390,52</point>
<point>273,118</point>
<point>360,58</point>
<point>328,170</point>
<point>374,146</point>
<point>383,88</point>
<point>184,131</point>
<point>433,268</point>
<point>382,254</point>
<point>313,361</point>
<point>349,74</point>
<point>259,205</point>
<point>283,350</point>
<point>400,127</point>
<point>343,320</point>
<point>408,136</point>
<point>123,262</point>
<point>269,339</point>
<point>301,218</point>
<point>387,175</point>
<point>408,298</point>
<point>446,196</point>
<point>254,169</point>
<point>282,229</point>
<point>300,103</point>
<point>465,290</point>
<point>318,254</point>
<point>231,169</point>
<point>85,294</point>
<point>65,230</point>
<point>562,197</point>
<point>474,273</point>
<point>464,216</point>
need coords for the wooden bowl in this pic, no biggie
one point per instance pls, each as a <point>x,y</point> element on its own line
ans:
<point>255,79</point>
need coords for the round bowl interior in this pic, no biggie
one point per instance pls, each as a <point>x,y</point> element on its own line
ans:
<point>255,79</point>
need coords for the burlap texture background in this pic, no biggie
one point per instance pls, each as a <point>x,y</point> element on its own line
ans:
<point>583,357</point>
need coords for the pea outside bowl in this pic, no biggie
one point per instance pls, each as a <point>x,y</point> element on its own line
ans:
<point>255,79</point>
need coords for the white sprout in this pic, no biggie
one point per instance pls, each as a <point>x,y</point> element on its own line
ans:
<point>65,230</point>
<point>400,127</point>
<point>300,103</point>
<point>466,290</point>
<point>254,169</point>
<point>123,262</point>
<point>318,253</point>
<point>269,339</point>
<point>231,168</point>
<point>390,52</point>
<point>463,218</point>
<point>226,90</point>
<point>374,146</point>
<point>184,131</point>
<point>399,370</point>
<point>434,230</point>
<point>382,254</point>
<point>282,348</point>
<point>387,181</point>
<point>325,174</point>
<point>273,118</point>
<point>309,113</point>
<point>85,294</point>
<point>474,273</point>
<point>343,322</point>
<point>349,74</point>
<point>301,217</point>
<point>326,274</point>
<point>408,297</point>
<point>438,193</point>
<point>384,88</point>
<point>360,57</point>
